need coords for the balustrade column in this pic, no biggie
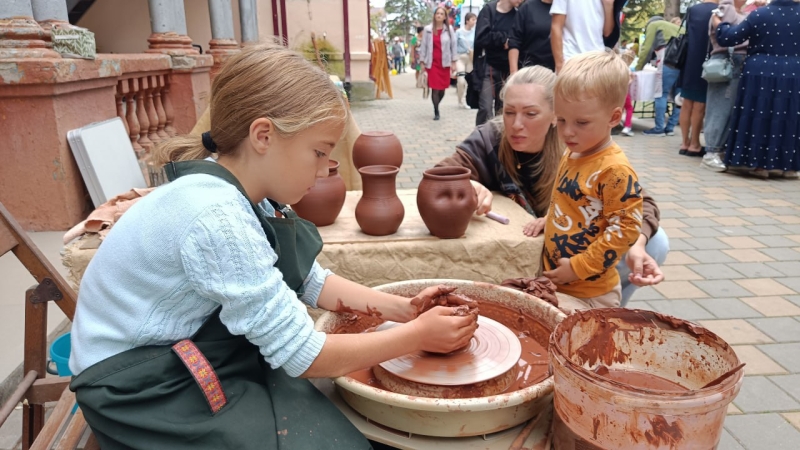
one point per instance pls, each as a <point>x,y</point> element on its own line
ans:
<point>50,12</point>
<point>152,114</point>
<point>248,20</point>
<point>158,102</point>
<point>128,88</point>
<point>168,24</point>
<point>141,113</point>
<point>223,43</point>
<point>20,35</point>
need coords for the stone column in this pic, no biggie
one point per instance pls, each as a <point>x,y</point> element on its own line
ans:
<point>20,35</point>
<point>223,43</point>
<point>249,21</point>
<point>168,23</point>
<point>49,12</point>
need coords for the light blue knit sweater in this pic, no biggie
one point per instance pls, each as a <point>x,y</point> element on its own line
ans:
<point>176,256</point>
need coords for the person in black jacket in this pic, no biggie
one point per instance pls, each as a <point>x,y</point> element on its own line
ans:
<point>529,41</point>
<point>490,61</point>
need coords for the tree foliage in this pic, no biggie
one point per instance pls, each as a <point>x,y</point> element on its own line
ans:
<point>637,13</point>
<point>404,13</point>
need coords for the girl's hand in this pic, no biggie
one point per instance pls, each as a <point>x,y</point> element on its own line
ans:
<point>534,228</point>
<point>562,274</point>
<point>485,198</point>
<point>438,296</point>
<point>439,331</point>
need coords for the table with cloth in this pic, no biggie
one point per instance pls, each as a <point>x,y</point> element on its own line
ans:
<point>490,251</point>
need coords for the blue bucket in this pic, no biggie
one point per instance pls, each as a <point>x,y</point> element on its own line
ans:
<point>59,354</point>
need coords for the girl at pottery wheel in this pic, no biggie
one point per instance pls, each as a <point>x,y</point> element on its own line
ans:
<point>518,154</point>
<point>189,331</point>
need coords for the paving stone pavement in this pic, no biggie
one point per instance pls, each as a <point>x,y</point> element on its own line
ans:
<point>734,264</point>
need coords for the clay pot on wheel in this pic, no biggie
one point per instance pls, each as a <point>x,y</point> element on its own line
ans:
<point>446,201</point>
<point>379,212</point>
<point>324,201</point>
<point>374,148</point>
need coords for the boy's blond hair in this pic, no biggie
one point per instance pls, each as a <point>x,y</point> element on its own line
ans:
<point>597,74</point>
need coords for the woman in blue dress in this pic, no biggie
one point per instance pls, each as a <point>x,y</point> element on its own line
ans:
<point>765,123</point>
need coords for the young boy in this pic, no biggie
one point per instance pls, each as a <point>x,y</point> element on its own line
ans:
<point>595,213</point>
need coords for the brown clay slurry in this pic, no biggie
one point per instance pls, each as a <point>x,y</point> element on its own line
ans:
<point>640,380</point>
<point>663,433</point>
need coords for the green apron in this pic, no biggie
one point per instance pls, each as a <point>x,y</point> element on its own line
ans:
<point>146,398</point>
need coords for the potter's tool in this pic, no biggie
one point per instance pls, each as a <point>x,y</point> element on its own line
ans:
<point>722,377</point>
<point>497,217</point>
<point>491,352</point>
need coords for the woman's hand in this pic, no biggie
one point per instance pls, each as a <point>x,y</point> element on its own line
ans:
<point>562,274</point>
<point>644,269</point>
<point>439,331</point>
<point>485,198</point>
<point>533,228</point>
<point>715,21</point>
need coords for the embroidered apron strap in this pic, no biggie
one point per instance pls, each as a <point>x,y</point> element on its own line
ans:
<point>202,372</point>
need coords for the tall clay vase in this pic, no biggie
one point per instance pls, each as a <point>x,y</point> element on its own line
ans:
<point>324,201</point>
<point>374,148</point>
<point>379,212</point>
<point>446,201</point>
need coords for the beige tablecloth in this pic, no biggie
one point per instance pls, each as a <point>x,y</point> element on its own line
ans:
<point>490,251</point>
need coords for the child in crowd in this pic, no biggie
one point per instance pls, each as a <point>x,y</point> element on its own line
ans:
<point>595,213</point>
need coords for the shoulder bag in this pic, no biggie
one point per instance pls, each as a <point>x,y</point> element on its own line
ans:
<point>677,47</point>
<point>718,70</point>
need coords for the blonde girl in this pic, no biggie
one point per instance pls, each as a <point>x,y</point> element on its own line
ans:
<point>191,329</point>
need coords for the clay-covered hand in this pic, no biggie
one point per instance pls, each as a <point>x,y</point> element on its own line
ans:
<point>439,296</point>
<point>644,269</point>
<point>485,198</point>
<point>534,227</point>
<point>440,331</point>
<point>562,274</point>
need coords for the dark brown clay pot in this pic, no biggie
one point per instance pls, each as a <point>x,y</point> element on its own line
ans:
<point>446,201</point>
<point>374,148</point>
<point>324,201</point>
<point>379,212</point>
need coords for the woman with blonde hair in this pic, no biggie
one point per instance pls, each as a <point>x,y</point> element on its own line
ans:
<point>438,54</point>
<point>191,329</point>
<point>518,154</point>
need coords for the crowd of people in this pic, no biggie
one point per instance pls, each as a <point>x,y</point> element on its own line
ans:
<point>747,120</point>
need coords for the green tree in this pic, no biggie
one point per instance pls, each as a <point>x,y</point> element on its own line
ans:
<point>404,13</point>
<point>637,13</point>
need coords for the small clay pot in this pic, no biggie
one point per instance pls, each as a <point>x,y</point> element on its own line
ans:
<point>374,148</point>
<point>324,201</point>
<point>446,201</point>
<point>379,212</point>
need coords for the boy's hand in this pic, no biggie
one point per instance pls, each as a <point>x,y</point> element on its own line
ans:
<point>533,228</point>
<point>562,274</point>
<point>644,269</point>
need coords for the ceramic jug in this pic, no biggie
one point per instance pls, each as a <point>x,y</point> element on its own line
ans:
<point>324,201</point>
<point>379,212</point>
<point>446,201</point>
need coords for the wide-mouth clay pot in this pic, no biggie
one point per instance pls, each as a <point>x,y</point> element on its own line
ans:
<point>446,201</point>
<point>323,203</point>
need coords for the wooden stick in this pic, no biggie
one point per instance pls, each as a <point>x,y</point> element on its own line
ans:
<point>523,435</point>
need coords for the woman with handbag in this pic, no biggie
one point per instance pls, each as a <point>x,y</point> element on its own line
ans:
<point>438,55</point>
<point>764,125</point>
<point>693,86</point>
<point>726,63</point>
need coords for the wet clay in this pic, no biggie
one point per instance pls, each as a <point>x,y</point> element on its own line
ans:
<point>531,368</point>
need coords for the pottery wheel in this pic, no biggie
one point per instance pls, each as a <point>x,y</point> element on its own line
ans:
<point>492,351</point>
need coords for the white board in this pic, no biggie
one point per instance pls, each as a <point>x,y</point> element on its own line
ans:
<point>106,159</point>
